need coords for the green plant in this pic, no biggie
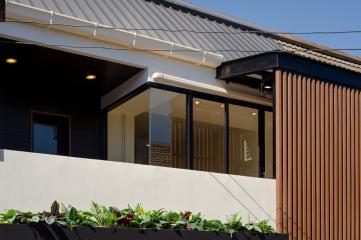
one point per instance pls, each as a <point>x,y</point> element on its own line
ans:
<point>111,217</point>
<point>104,216</point>
<point>234,224</point>
<point>260,227</point>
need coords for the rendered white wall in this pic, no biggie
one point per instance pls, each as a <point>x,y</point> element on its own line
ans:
<point>30,181</point>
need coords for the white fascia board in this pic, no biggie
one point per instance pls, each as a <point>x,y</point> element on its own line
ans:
<point>50,19</point>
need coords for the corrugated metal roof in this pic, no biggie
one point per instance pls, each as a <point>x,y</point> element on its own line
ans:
<point>320,57</point>
<point>149,14</point>
<point>151,17</point>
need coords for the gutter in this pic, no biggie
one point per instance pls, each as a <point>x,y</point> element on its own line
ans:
<point>197,86</point>
<point>93,30</point>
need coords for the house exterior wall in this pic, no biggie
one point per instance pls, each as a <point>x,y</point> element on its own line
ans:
<point>20,97</point>
<point>318,137</point>
<point>32,181</point>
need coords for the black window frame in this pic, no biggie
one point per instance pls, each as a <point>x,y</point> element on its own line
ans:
<point>190,94</point>
<point>63,121</point>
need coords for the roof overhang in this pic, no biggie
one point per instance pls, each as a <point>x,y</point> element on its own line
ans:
<point>96,31</point>
<point>258,64</point>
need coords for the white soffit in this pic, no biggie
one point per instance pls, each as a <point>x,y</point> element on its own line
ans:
<point>126,39</point>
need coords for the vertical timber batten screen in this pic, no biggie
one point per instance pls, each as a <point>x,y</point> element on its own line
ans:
<point>318,142</point>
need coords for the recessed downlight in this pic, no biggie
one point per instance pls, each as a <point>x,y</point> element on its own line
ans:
<point>11,60</point>
<point>90,77</point>
<point>267,87</point>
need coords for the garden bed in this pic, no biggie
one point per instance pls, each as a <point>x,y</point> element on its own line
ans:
<point>110,223</point>
<point>46,232</point>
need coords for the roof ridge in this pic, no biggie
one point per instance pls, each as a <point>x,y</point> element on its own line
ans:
<point>214,15</point>
<point>242,24</point>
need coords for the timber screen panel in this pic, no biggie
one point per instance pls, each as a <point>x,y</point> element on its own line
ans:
<point>318,158</point>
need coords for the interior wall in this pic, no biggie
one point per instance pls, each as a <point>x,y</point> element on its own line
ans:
<point>318,142</point>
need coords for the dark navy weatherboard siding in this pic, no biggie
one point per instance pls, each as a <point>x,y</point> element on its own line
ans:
<point>19,99</point>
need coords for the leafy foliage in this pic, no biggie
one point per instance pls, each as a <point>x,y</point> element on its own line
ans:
<point>111,217</point>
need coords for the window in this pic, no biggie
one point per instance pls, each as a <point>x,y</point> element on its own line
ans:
<point>50,134</point>
<point>243,141</point>
<point>208,135</point>
<point>128,131</point>
<point>167,128</point>
<point>149,129</point>
<point>183,129</point>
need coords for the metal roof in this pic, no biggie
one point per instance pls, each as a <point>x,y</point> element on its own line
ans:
<point>235,37</point>
<point>149,14</point>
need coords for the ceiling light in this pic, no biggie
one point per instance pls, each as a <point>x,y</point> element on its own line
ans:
<point>197,102</point>
<point>11,60</point>
<point>254,114</point>
<point>90,77</point>
<point>267,87</point>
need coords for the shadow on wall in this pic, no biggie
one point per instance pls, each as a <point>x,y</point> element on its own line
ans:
<point>1,155</point>
<point>245,203</point>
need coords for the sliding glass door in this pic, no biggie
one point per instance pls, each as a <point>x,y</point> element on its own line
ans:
<point>208,135</point>
<point>184,129</point>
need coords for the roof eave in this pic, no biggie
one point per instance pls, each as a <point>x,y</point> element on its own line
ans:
<point>288,62</point>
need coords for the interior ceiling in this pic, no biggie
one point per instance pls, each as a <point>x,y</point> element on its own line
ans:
<point>43,64</point>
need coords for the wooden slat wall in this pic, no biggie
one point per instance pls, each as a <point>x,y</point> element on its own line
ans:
<point>318,141</point>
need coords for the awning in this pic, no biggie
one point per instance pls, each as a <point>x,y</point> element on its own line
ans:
<point>264,64</point>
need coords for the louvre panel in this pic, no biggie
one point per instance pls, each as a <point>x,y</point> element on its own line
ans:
<point>318,158</point>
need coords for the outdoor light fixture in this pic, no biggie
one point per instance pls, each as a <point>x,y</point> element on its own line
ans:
<point>197,102</point>
<point>222,105</point>
<point>90,77</point>
<point>11,60</point>
<point>254,114</point>
<point>267,87</point>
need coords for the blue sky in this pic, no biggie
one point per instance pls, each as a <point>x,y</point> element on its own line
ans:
<point>299,16</point>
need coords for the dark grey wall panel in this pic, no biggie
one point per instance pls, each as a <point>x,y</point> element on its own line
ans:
<point>19,99</point>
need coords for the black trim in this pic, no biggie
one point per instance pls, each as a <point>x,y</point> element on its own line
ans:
<point>288,62</point>
<point>226,138</point>
<point>128,96</point>
<point>261,143</point>
<point>2,11</point>
<point>104,133</point>
<point>189,130</point>
<point>274,130</point>
<point>52,232</point>
<point>208,96</point>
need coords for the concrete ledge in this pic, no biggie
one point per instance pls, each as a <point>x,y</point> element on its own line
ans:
<point>32,181</point>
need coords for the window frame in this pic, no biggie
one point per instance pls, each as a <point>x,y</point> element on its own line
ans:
<point>190,94</point>
<point>51,115</point>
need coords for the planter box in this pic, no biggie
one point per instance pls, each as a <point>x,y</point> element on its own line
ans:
<point>44,232</point>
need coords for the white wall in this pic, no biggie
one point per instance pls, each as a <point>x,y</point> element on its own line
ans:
<point>30,181</point>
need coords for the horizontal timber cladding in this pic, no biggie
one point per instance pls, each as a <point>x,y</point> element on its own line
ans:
<point>318,138</point>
